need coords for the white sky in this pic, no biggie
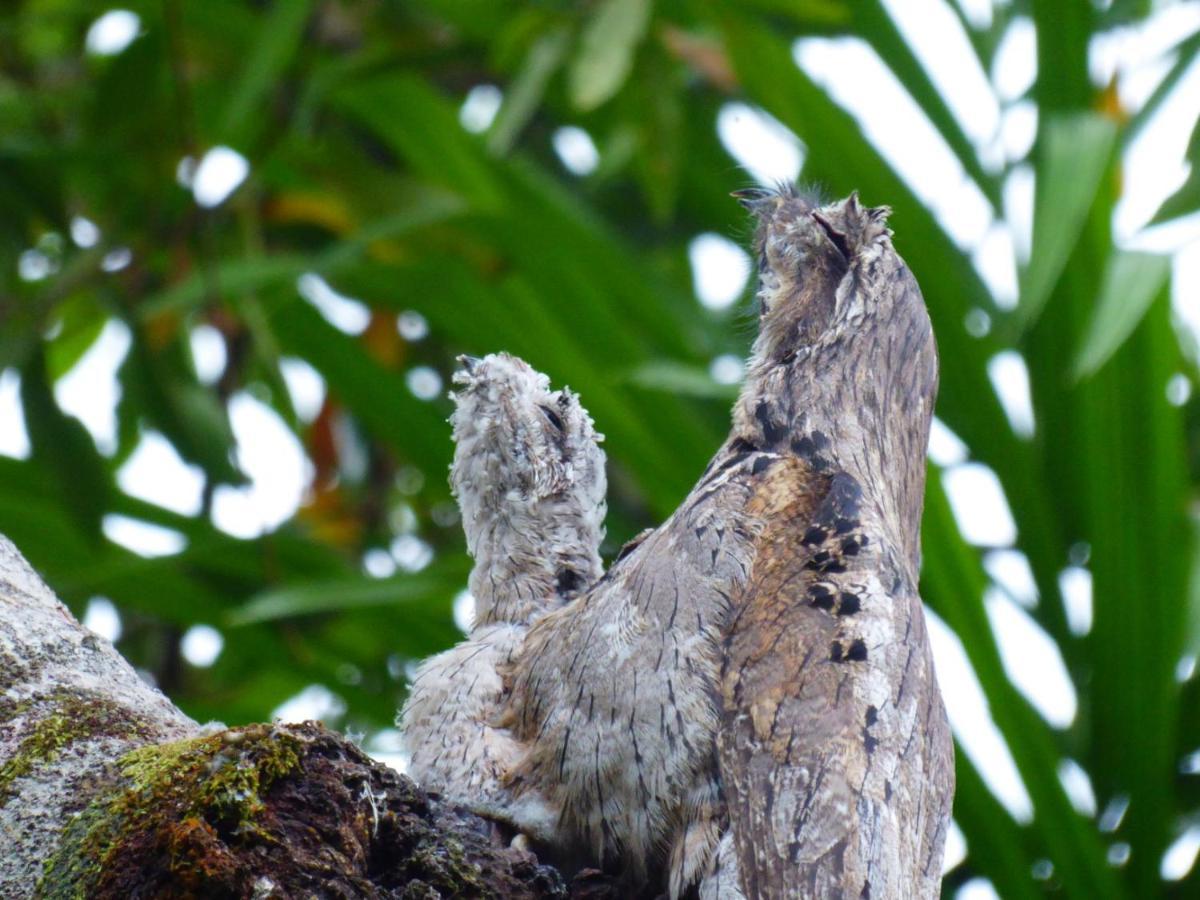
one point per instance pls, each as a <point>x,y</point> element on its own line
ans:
<point>998,122</point>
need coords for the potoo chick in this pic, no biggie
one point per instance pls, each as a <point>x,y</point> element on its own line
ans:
<point>528,474</point>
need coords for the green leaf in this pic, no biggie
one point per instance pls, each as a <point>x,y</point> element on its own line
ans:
<point>1131,494</point>
<point>234,276</point>
<point>66,446</point>
<point>1131,282</point>
<point>660,146</point>
<point>1187,52</point>
<point>1186,200</point>
<point>998,849</point>
<point>677,378</point>
<point>953,582</point>
<point>813,15</point>
<point>20,330</point>
<point>1073,155</point>
<point>305,599</point>
<point>79,322</point>
<point>1183,202</point>
<point>39,519</point>
<point>137,583</point>
<point>190,416</point>
<point>1192,639</point>
<point>1064,31</point>
<point>377,396</point>
<point>525,94</point>
<point>606,51</point>
<point>406,114</point>
<point>278,38</point>
<point>875,24</point>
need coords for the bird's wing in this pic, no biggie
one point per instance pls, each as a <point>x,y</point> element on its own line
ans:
<point>828,715</point>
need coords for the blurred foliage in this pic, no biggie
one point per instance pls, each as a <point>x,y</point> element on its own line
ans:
<point>360,172</point>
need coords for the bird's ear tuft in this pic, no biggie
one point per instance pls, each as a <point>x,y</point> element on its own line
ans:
<point>879,213</point>
<point>755,199</point>
<point>861,225</point>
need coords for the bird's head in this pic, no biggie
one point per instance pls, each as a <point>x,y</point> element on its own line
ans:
<point>845,359</point>
<point>518,443</point>
<point>805,249</point>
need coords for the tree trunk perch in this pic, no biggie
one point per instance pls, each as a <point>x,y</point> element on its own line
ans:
<point>108,791</point>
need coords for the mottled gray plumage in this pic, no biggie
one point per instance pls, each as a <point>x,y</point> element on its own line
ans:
<point>835,755</point>
<point>745,703</point>
<point>754,674</point>
<point>614,694</point>
<point>528,474</point>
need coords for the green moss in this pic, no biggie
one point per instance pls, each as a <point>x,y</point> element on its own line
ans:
<point>451,857</point>
<point>12,709</point>
<point>168,791</point>
<point>73,716</point>
<point>41,745</point>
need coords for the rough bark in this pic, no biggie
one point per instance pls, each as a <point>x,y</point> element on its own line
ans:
<point>108,791</point>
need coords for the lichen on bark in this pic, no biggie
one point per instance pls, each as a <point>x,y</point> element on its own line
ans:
<point>108,791</point>
<point>69,716</point>
<point>277,811</point>
<point>168,796</point>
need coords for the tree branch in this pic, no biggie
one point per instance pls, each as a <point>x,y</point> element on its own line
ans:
<point>108,791</point>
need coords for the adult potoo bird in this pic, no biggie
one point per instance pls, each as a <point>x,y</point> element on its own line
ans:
<point>834,752</point>
<point>528,474</point>
<point>747,699</point>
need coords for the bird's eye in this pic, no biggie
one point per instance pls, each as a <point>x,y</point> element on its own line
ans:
<point>835,237</point>
<point>554,418</point>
